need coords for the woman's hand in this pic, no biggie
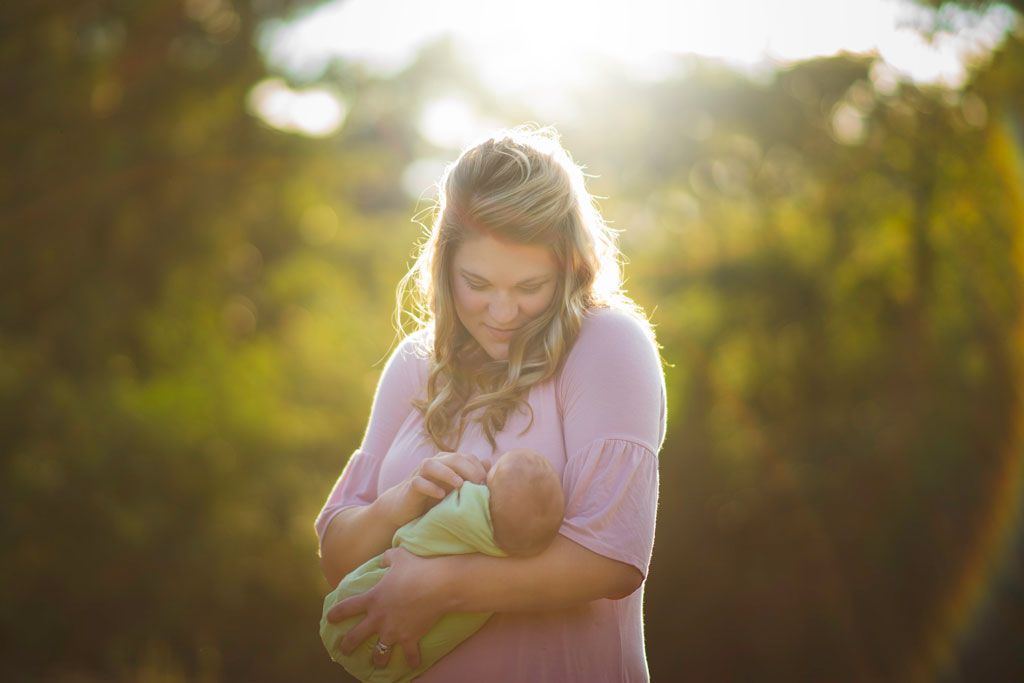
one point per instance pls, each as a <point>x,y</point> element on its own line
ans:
<point>430,482</point>
<point>400,609</point>
<point>358,533</point>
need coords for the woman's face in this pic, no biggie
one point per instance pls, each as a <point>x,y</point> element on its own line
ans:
<point>499,287</point>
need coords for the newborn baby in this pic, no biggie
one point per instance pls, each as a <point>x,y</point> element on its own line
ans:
<point>526,504</point>
<point>516,513</point>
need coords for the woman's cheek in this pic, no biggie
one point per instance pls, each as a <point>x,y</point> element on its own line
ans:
<point>475,301</point>
<point>463,297</point>
<point>541,303</point>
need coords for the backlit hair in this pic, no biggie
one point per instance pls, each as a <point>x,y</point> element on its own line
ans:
<point>519,185</point>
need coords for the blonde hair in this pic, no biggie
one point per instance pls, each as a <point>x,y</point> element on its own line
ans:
<point>521,186</point>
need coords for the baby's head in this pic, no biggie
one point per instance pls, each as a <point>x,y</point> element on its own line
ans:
<point>526,502</point>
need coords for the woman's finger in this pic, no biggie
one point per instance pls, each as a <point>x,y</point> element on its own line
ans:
<point>441,472</point>
<point>411,649</point>
<point>385,559</point>
<point>382,653</point>
<point>426,487</point>
<point>466,466</point>
<point>357,634</point>
<point>349,607</point>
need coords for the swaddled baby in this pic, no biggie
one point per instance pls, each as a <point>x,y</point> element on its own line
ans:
<point>516,513</point>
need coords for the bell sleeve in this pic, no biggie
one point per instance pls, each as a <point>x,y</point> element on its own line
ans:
<point>399,384</point>
<point>612,395</point>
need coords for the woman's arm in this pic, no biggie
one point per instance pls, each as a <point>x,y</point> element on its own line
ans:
<point>358,533</point>
<point>366,522</point>
<point>417,591</point>
<point>354,536</point>
<point>564,575</point>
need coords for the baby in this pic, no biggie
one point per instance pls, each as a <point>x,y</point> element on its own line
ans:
<point>516,513</point>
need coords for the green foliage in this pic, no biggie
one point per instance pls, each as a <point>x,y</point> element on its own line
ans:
<point>195,309</point>
<point>842,314</point>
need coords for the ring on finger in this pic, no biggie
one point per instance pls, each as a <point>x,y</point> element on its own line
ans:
<point>381,648</point>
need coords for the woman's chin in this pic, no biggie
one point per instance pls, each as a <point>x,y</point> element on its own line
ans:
<point>497,350</point>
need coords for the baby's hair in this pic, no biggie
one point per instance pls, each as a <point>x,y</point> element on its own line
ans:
<point>526,507</point>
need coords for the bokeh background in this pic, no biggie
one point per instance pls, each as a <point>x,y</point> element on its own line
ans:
<point>205,207</point>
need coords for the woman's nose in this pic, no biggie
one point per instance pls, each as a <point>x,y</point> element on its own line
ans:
<point>503,310</point>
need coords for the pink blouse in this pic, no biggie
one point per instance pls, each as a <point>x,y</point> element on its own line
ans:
<point>601,423</point>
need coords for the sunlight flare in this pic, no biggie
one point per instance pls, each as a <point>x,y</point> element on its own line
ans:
<point>541,46</point>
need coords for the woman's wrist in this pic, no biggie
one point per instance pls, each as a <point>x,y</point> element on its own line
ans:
<point>387,507</point>
<point>447,572</point>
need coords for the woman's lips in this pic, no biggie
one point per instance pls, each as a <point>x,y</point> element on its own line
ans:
<point>501,335</point>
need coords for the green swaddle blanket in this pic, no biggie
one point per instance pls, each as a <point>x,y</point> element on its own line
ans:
<point>459,524</point>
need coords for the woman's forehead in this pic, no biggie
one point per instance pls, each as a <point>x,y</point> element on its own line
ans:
<point>488,258</point>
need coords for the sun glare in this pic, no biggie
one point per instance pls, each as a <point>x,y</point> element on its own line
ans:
<point>316,112</point>
<point>450,121</point>
<point>539,47</point>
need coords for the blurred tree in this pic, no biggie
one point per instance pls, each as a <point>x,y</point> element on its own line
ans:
<point>183,293</point>
<point>193,303</point>
<point>847,396</point>
<point>976,5</point>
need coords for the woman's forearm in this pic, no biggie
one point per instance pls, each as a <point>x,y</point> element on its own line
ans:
<point>354,536</point>
<point>358,533</point>
<point>416,591</point>
<point>564,575</point>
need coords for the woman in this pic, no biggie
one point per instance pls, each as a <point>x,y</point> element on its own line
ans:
<point>525,340</point>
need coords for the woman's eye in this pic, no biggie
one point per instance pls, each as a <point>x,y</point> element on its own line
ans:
<point>477,287</point>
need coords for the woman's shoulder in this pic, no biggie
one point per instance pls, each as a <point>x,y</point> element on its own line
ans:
<point>613,382</point>
<point>415,347</point>
<point>612,342</point>
<point>612,331</point>
<point>411,356</point>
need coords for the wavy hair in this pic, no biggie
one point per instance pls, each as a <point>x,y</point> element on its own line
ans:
<point>519,185</point>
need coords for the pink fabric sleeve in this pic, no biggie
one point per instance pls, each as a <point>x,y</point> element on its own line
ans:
<point>612,392</point>
<point>357,485</point>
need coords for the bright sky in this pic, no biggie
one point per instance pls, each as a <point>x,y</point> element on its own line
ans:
<point>536,47</point>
